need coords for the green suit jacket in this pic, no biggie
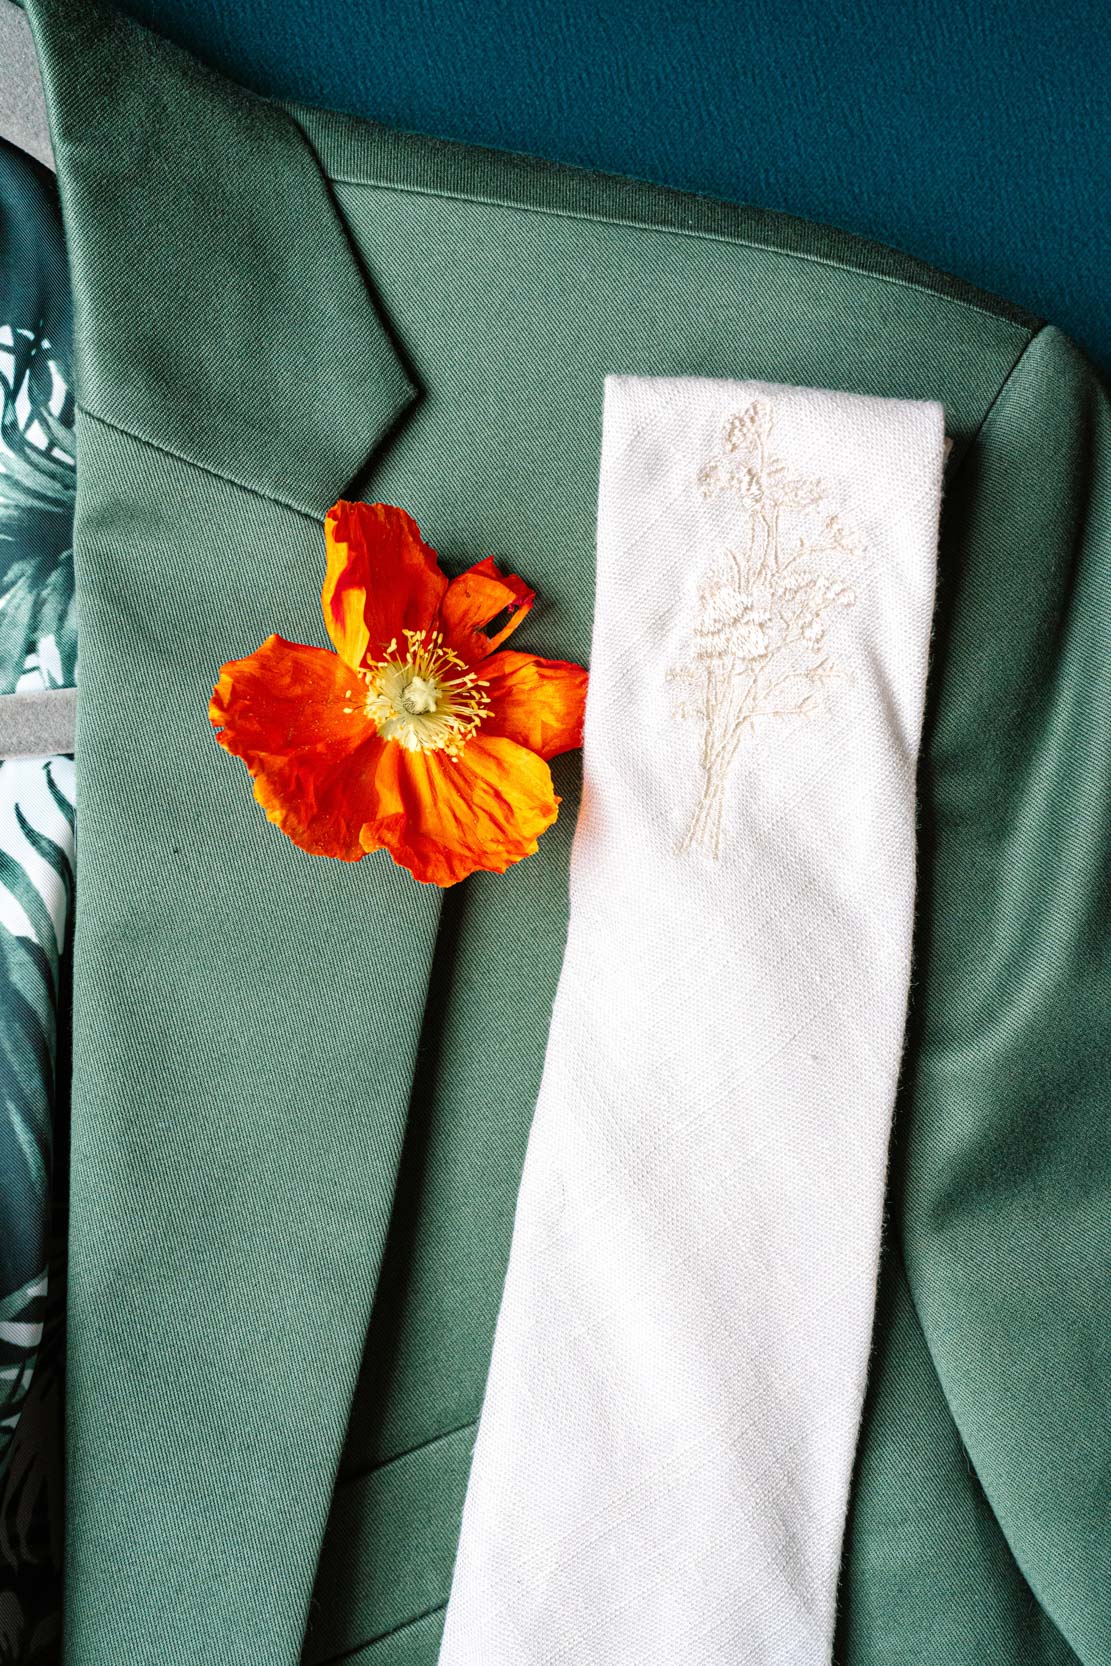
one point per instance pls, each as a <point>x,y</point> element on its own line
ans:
<point>301,1091</point>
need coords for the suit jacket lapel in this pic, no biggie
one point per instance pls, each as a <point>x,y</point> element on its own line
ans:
<point>245,1018</point>
<point>274,368</point>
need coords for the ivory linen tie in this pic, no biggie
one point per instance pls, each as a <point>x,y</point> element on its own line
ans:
<point>665,1447</point>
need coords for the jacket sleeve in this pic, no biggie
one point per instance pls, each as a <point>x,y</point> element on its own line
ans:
<point>980,1528</point>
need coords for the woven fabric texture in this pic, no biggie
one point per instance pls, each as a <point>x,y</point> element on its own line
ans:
<point>663,1458</point>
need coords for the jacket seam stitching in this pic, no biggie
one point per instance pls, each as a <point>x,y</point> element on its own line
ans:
<point>353,1477</point>
<point>384,1636</point>
<point>191,462</point>
<point>647,224</point>
<point>970,443</point>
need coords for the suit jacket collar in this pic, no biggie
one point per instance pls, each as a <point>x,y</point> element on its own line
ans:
<point>292,406</point>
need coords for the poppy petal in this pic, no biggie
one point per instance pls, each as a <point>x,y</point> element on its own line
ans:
<point>444,818</point>
<point>296,717</point>
<point>536,702</point>
<point>475,598</point>
<point>382,580</point>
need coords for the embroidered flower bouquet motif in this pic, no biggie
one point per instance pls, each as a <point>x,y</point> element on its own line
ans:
<point>759,644</point>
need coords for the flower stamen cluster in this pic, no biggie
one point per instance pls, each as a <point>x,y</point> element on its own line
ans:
<point>425,698</point>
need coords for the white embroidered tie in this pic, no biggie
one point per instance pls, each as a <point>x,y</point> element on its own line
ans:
<point>664,1454</point>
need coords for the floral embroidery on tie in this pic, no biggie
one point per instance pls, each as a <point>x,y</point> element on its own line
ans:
<point>414,735</point>
<point>758,647</point>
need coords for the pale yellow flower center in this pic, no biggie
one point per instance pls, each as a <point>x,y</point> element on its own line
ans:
<point>423,696</point>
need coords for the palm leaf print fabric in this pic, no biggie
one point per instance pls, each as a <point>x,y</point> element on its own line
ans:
<point>38,649</point>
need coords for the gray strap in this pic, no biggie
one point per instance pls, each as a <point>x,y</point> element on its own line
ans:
<point>39,724</point>
<point>22,107</point>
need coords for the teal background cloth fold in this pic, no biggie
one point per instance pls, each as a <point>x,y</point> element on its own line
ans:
<point>971,133</point>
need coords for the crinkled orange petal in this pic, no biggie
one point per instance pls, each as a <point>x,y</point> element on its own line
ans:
<point>295,716</point>
<point>381,581</point>
<point>475,598</point>
<point>444,818</point>
<point>536,702</point>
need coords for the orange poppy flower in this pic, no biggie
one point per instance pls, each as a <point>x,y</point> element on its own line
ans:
<point>415,735</point>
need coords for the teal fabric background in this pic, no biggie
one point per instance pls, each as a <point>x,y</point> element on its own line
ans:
<point>971,133</point>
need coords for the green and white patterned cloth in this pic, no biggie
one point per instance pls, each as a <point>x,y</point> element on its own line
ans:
<point>38,650</point>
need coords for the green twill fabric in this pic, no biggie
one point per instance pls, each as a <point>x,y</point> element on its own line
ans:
<point>302,1090</point>
<point>1005,1160</point>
